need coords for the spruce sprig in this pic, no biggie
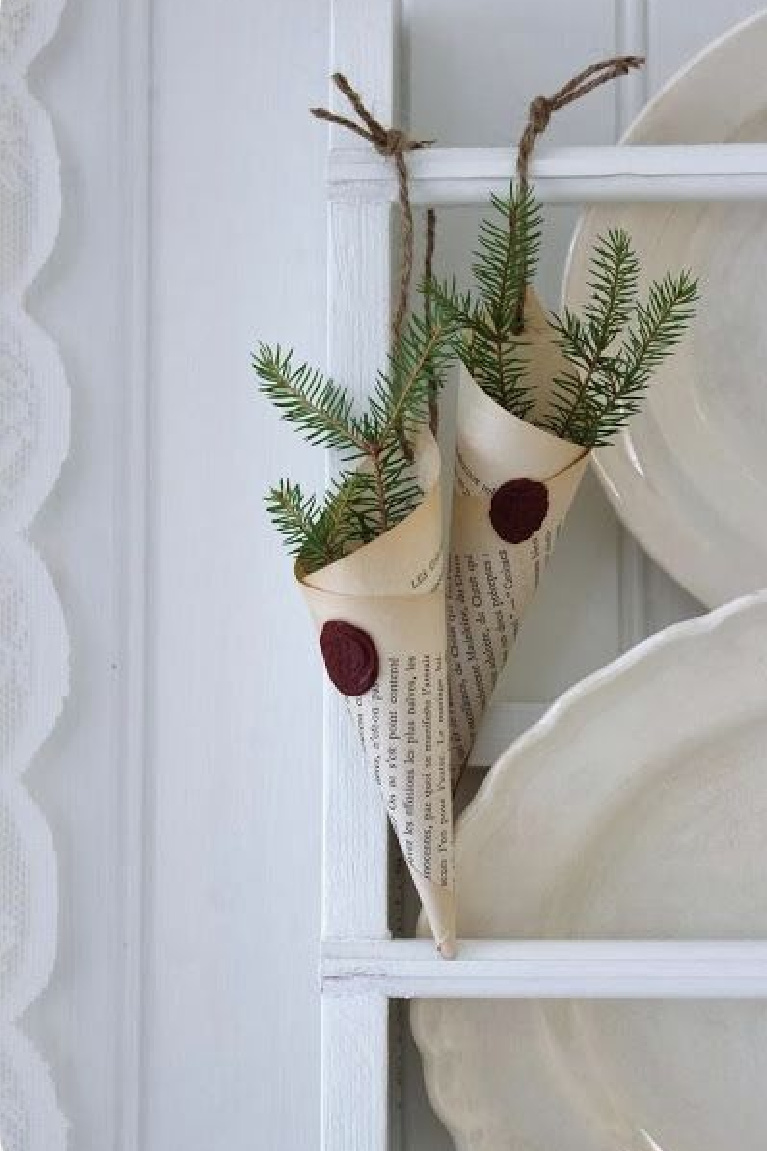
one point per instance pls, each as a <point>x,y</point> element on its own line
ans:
<point>613,279</point>
<point>320,532</point>
<point>612,348</point>
<point>297,516</point>
<point>377,488</point>
<point>320,409</point>
<point>617,345</point>
<point>505,261</point>
<point>507,255</point>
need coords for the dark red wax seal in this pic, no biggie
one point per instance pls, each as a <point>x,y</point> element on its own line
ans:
<point>350,657</point>
<point>518,508</point>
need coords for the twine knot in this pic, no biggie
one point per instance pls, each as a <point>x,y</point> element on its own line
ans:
<point>392,141</point>
<point>542,107</point>
<point>386,141</point>
<point>538,116</point>
<point>539,113</point>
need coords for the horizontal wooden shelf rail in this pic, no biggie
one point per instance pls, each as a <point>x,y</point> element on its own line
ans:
<point>543,969</point>
<point>649,172</point>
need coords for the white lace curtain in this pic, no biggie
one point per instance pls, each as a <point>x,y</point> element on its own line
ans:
<point>34,412</point>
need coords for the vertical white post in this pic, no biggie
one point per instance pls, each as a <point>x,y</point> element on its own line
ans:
<point>136,34</point>
<point>355,1073</point>
<point>355,887</point>
<point>630,95</point>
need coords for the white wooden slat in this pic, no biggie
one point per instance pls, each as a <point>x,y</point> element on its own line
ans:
<point>355,829</point>
<point>355,1071</point>
<point>650,172</point>
<point>630,95</point>
<point>359,289</point>
<point>355,1055</point>
<point>631,18</point>
<point>632,576</point>
<point>674,38</point>
<point>548,969</point>
<point>133,590</point>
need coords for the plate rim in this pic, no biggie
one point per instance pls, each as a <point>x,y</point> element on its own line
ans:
<point>685,564</point>
<point>448,1106</point>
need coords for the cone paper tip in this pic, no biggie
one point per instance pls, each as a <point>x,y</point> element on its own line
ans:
<point>439,908</point>
<point>446,947</point>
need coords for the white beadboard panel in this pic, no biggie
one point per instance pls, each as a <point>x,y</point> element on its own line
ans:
<point>502,723</point>
<point>630,39</point>
<point>666,601</point>
<point>232,1044</point>
<point>631,36</point>
<point>473,69</point>
<point>572,626</point>
<point>678,30</point>
<point>650,598</point>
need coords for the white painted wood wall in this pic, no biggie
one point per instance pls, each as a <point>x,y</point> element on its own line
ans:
<point>184,1011</point>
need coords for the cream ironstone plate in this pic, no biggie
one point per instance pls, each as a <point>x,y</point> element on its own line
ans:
<point>689,477</point>
<point>636,808</point>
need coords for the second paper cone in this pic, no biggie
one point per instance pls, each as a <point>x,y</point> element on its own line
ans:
<point>492,579</point>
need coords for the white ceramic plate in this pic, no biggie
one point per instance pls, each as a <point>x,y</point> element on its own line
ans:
<point>689,478</point>
<point>635,809</point>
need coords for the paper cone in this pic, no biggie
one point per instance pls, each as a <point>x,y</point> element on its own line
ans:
<point>514,483</point>
<point>381,616</point>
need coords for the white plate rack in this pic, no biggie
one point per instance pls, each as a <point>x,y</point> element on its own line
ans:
<point>363,967</point>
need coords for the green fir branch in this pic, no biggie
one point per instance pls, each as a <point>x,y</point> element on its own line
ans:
<point>611,349</point>
<point>401,394</point>
<point>616,346</point>
<point>381,490</point>
<point>489,340</point>
<point>495,361</point>
<point>613,279</point>
<point>660,325</point>
<point>319,408</point>
<point>297,517</point>
<point>507,255</point>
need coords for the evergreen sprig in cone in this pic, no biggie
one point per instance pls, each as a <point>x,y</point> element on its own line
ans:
<point>376,488</point>
<point>535,395</point>
<point>609,351</point>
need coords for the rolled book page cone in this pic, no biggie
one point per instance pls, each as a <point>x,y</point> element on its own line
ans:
<point>513,483</point>
<point>380,613</point>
